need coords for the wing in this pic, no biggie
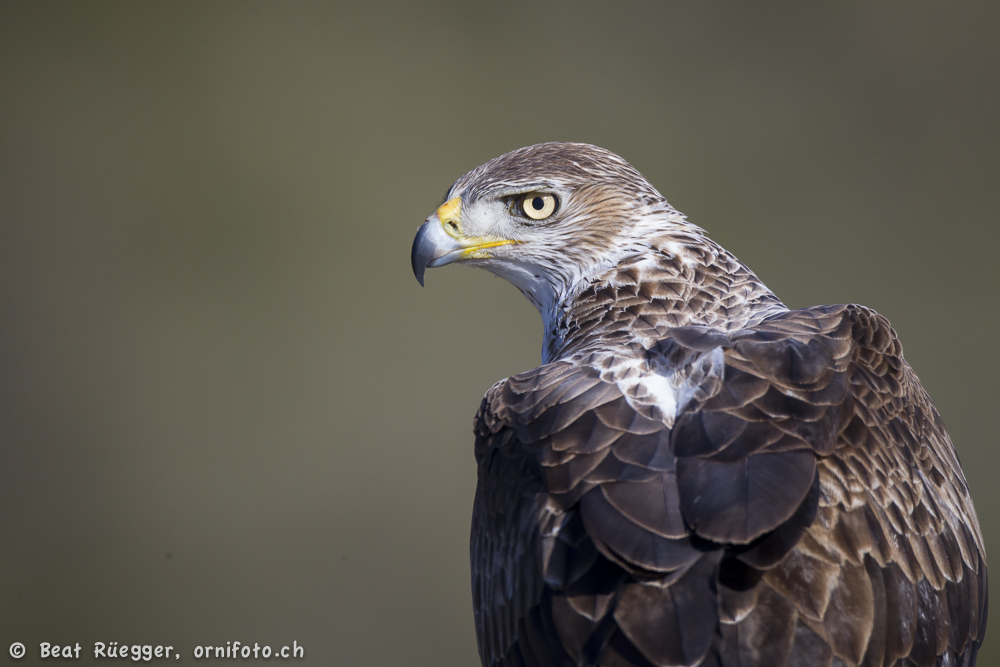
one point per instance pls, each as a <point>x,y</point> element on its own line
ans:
<point>805,507</point>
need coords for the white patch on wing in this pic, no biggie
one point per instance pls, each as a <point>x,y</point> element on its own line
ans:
<point>644,387</point>
<point>657,390</point>
<point>701,378</point>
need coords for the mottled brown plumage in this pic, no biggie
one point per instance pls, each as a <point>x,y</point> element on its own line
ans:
<point>698,475</point>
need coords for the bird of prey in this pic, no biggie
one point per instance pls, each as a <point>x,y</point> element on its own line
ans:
<point>696,474</point>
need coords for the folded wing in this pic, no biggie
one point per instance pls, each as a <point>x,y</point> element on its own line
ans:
<point>804,504</point>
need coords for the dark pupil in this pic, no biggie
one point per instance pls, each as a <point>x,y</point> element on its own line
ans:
<point>537,203</point>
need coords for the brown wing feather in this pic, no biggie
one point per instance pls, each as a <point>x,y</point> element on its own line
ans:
<point>807,510</point>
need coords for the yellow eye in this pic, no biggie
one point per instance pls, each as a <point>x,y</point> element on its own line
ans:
<point>537,205</point>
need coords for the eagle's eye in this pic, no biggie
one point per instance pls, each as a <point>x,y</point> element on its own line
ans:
<point>538,205</point>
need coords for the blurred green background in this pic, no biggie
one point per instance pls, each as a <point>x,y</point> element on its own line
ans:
<point>228,411</point>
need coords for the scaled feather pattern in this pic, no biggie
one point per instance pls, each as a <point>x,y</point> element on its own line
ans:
<point>696,475</point>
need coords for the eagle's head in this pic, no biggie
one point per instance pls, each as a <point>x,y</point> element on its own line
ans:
<point>550,218</point>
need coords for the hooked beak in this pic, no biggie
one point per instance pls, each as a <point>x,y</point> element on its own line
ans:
<point>440,240</point>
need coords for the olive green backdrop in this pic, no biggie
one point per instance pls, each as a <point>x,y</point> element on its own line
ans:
<point>228,411</point>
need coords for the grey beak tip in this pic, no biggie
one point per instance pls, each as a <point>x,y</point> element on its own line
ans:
<point>421,253</point>
<point>418,263</point>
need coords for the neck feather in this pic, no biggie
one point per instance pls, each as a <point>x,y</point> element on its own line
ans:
<point>677,280</point>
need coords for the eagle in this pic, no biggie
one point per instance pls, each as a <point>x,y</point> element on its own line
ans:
<point>696,474</point>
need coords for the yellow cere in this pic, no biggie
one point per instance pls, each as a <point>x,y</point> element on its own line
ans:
<point>450,215</point>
